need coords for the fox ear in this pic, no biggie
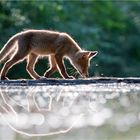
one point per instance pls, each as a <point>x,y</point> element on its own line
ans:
<point>89,54</point>
<point>92,54</point>
<point>85,54</point>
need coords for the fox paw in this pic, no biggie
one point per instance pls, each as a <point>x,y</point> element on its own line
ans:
<point>3,78</point>
<point>70,77</point>
<point>42,78</point>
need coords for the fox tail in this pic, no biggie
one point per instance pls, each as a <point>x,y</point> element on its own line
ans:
<point>8,47</point>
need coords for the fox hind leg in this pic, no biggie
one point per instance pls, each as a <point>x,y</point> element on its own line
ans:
<point>14,60</point>
<point>21,52</point>
<point>32,58</point>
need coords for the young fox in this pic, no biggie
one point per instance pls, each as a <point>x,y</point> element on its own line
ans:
<point>32,43</point>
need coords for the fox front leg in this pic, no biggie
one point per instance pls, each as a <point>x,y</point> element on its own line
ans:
<point>53,67</point>
<point>61,67</point>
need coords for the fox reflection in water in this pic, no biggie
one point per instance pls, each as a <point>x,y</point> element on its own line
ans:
<point>34,115</point>
<point>91,111</point>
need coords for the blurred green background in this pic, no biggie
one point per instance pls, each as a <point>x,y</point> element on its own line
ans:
<point>110,27</point>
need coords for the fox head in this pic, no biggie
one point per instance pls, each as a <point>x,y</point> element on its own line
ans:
<point>82,61</point>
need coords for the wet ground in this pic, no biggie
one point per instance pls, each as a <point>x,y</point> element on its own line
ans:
<point>70,112</point>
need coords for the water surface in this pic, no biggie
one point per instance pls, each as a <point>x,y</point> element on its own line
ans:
<point>77,112</point>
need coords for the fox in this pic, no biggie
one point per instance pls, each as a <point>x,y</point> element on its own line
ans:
<point>30,44</point>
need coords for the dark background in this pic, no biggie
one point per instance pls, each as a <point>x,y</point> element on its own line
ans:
<point>110,27</point>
